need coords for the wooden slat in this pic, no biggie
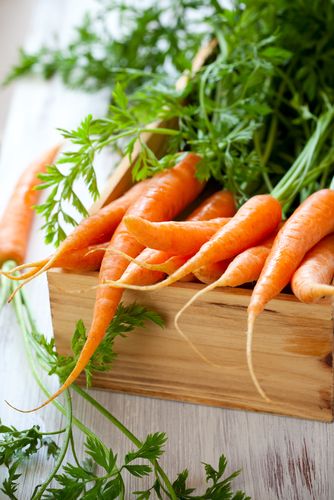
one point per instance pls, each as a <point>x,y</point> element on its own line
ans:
<point>292,348</point>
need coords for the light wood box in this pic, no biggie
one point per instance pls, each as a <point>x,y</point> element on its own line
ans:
<point>293,342</point>
<point>292,346</point>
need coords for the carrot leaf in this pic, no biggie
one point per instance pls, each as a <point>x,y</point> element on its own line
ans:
<point>101,472</point>
<point>127,318</point>
<point>251,112</point>
<point>17,446</point>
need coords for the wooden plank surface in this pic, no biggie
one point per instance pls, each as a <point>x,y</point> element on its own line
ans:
<point>281,458</point>
<point>293,362</point>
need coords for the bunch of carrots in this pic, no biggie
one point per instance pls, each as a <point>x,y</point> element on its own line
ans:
<point>134,243</point>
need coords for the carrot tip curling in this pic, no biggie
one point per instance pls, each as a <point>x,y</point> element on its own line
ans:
<point>18,409</point>
<point>120,284</point>
<point>190,343</point>
<point>250,330</point>
<point>183,309</point>
<point>144,265</point>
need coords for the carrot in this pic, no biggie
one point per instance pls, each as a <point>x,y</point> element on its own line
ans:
<point>165,197</point>
<point>219,204</point>
<point>151,266</point>
<point>314,276</point>
<point>211,272</point>
<point>95,229</point>
<point>312,221</point>
<point>81,260</point>
<point>176,237</point>
<point>244,268</point>
<point>253,222</point>
<point>17,218</point>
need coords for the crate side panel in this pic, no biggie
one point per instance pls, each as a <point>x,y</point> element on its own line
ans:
<point>292,348</point>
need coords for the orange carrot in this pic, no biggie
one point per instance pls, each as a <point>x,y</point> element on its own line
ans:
<point>165,197</point>
<point>312,221</point>
<point>151,266</point>
<point>17,218</point>
<point>244,268</point>
<point>314,276</point>
<point>176,237</point>
<point>95,229</point>
<point>219,204</point>
<point>81,260</point>
<point>211,272</point>
<point>253,222</point>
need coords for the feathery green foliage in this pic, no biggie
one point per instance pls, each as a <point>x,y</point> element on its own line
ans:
<point>253,112</point>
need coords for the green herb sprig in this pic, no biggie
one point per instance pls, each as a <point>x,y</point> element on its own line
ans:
<point>160,38</point>
<point>126,319</point>
<point>252,112</point>
<point>101,473</point>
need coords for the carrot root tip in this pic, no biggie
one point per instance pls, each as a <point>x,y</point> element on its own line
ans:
<point>192,345</point>
<point>120,284</point>
<point>183,335</point>
<point>250,330</point>
<point>18,409</point>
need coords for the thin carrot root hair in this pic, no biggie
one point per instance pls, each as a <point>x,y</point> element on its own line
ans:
<point>24,276</point>
<point>32,410</point>
<point>181,332</point>
<point>38,272</point>
<point>249,349</point>
<point>19,409</point>
<point>120,284</point>
<point>157,286</point>
<point>163,267</point>
<point>250,330</point>
<point>98,249</point>
<point>194,348</point>
<point>323,290</point>
<point>37,263</point>
<point>34,266</point>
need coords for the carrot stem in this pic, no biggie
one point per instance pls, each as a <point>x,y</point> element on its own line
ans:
<point>126,432</point>
<point>63,451</point>
<point>27,325</point>
<point>294,179</point>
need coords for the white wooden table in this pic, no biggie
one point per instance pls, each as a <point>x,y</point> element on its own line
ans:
<point>280,458</point>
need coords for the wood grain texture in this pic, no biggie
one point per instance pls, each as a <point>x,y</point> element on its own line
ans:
<point>281,458</point>
<point>292,358</point>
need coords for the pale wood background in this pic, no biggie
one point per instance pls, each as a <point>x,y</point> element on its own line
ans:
<point>13,27</point>
<point>281,458</point>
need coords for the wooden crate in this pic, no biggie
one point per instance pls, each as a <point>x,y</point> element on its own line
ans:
<point>293,342</point>
<point>292,348</point>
